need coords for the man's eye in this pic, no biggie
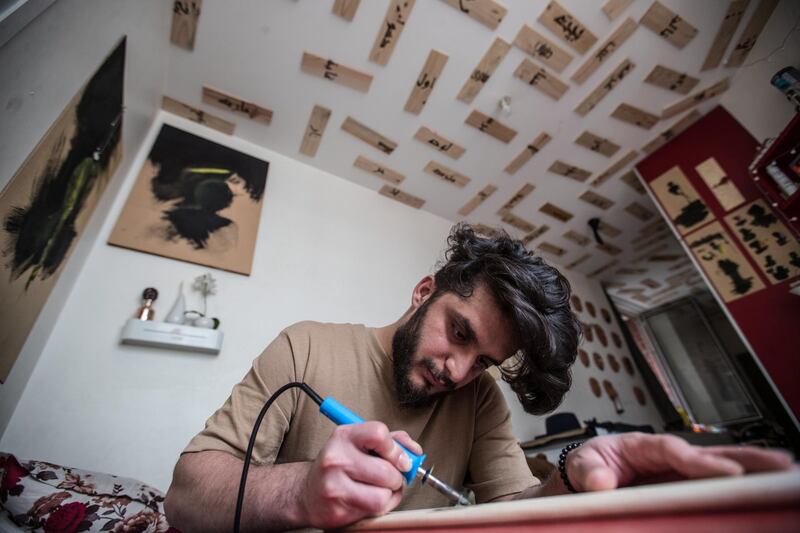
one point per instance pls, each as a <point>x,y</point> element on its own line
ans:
<point>458,334</point>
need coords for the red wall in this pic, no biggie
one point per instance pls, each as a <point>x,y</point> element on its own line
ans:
<point>769,318</point>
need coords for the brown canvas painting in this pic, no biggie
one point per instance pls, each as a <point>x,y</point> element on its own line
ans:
<point>47,203</point>
<point>196,201</point>
<point>680,200</point>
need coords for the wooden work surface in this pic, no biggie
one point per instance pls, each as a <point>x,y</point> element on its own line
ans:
<point>758,502</point>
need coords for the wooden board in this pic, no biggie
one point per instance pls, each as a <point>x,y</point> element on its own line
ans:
<point>539,78</point>
<point>528,152</point>
<point>671,80</point>
<point>380,171</point>
<point>768,241</point>
<point>697,98</point>
<point>608,229</point>
<point>614,41</point>
<point>389,33</point>
<point>597,200</point>
<point>668,24</point>
<point>477,200</point>
<point>597,144</point>
<point>446,174</point>
<point>481,73</point>
<point>490,126</point>
<point>556,212</point>
<point>614,168</point>
<point>569,171</point>
<point>733,16</point>
<point>580,260</point>
<point>426,81</point>
<point>535,234</point>
<point>614,8</point>
<point>602,269</point>
<point>487,12</point>
<point>551,249</point>
<point>439,142</point>
<point>186,111</point>
<point>639,211</point>
<point>369,136</point>
<point>345,8</point>
<point>517,198</point>
<point>749,36</point>
<point>726,268</point>
<point>577,238</point>
<point>516,221</point>
<point>542,49</point>
<point>680,200</point>
<point>317,123</point>
<point>608,248</point>
<point>229,102</point>
<point>605,87</point>
<point>564,24</point>
<point>185,16</point>
<point>332,71</point>
<point>665,136</point>
<point>402,197</point>
<point>723,189</point>
<point>635,116</point>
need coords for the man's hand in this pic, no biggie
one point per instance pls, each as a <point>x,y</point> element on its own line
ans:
<point>357,474</point>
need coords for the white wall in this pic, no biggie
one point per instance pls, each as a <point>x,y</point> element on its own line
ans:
<point>42,68</point>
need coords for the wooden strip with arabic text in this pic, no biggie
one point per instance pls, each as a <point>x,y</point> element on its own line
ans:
<point>369,136</point>
<point>446,174</point>
<point>376,169</point>
<point>635,116</point>
<point>438,142</point>
<point>333,71</point>
<point>490,126</point>
<point>605,87</point>
<point>487,12</point>
<point>477,200</point>
<point>389,33</point>
<point>605,51</point>
<point>317,123</point>
<point>564,24</point>
<point>697,98</point>
<point>614,168</point>
<point>426,81</point>
<point>185,17</point>
<point>176,107</point>
<point>401,196</point>
<point>671,80</point>
<point>668,24</point>
<point>345,8</point>
<point>235,104</point>
<point>541,48</point>
<point>747,40</point>
<point>539,78</point>
<point>528,152</point>
<point>481,73</point>
<point>733,16</point>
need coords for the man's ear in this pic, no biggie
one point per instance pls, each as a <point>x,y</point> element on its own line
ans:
<point>422,291</point>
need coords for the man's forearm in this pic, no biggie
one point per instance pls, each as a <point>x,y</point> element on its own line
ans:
<point>205,485</point>
<point>552,486</point>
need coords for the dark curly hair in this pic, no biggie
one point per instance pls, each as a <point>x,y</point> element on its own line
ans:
<point>533,297</point>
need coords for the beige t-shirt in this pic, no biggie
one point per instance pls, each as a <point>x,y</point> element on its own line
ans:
<point>466,434</point>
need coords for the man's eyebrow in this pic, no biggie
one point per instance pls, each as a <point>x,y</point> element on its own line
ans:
<point>469,332</point>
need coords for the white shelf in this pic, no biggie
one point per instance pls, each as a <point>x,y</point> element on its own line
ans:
<point>171,336</point>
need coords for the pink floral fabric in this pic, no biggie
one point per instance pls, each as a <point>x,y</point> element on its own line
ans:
<point>43,496</point>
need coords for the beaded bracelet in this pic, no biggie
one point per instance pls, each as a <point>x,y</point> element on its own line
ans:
<point>562,465</point>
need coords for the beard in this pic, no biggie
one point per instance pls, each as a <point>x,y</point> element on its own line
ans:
<point>404,350</point>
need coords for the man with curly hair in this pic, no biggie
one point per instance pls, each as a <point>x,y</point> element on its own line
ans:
<point>492,302</point>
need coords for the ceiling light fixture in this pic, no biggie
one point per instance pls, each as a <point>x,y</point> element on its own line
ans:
<point>504,104</point>
<point>594,223</point>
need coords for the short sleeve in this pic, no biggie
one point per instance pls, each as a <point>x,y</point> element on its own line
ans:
<point>497,465</point>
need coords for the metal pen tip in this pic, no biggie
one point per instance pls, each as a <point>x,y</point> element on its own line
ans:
<point>443,488</point>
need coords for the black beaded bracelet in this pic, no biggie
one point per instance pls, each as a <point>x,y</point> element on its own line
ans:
<point>562,465</point>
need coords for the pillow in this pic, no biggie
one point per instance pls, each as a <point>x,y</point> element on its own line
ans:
<point>41,495</point>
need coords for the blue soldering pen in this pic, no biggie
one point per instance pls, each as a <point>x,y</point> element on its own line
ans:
<point>341,415</point>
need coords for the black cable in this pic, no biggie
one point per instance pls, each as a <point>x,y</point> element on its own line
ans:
<point>240,499</point>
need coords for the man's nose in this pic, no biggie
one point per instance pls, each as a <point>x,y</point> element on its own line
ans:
<point>458,366</point>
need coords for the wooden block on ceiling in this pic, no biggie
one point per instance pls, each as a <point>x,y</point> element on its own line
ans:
<point>426,80</point>
<point>603,268</point>
<point>483,229</point>
<point>477,200</point>
<point>389,33</point>
<point>535,234</point>
<point>317,123</point>
<point>345,8</point>
<point>733,16</point>
<point>542,49</point>
<point>614,168</point>
<point>671,80</point>
<point>551,249</point>
<point>517,198</point>
<point>516,221</point>
<point>605,87</point>
<point>668,25</point>
<point>332,71</point>
<point>439,142</point>
<point>538,77</point>
<point>402,197</point>
<point>614,8</point>
<point>665,136</point>
<point>556,212</point>
<point>369,136</point>
<point>486,67</point>
<point>650,283</point>
<point>635,116</point>
<point>598,144</point>
<point>747,40</point>
<point>577,238</point>
<point>376,169</point>
<point>597,200</point>
<point>526,154</point>
<point>696,98</point>
<point>490,126</point>
<point>185,16</point>
<point>446,174</point>
<point>176,107</point>
<point>608,248</point>
<point>561,22</point>
<point>487,12</point>
<point>582,259</point>
<point>639,211</point>
<point>608,229</point>
<point>665,258</point>
<point>569,171</point>
<point>227,101</point>
<point>610,46</point>
<point>625,271</point>
<point>631,180</point>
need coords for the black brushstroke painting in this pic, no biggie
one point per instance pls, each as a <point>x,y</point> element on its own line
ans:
<point>694,212</point>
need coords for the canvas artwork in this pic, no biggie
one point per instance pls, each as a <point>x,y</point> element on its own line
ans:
<point>680,200</point>
<point>47,203</point>
<point>196,201</point>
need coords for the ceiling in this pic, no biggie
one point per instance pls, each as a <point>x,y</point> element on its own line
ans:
<point>254,50</point>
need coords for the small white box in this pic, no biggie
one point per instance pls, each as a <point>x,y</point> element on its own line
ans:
<point>173,336</point>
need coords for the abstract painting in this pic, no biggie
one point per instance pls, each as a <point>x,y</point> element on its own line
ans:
<point>46,205</point>
<point>680,200</point>
<point>196,201</point>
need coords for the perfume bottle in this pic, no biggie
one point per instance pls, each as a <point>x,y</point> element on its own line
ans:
<point>146,311</point>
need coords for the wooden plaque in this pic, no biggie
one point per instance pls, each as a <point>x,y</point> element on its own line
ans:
<point>662,138</point>
<point>610,46</point>
<point>186,111</point>
<point>426,80</point>
<point>481,73</point>
<point>668,25</point>
<point>597,200</point>
<point>446,174</point>
<point>542,49</point>
<point>639,211</point>
<point>551,249</point>
<point>751,32</point>
<point>556,212</point>
<point>697,98</point>
<point>609,230</point>
<point>516,221</point>
<point>227,101</point>
<point>378,170</point>
<point>605,87</point>
<point>185,16</point>
<point>535,234</point>
<point>317,123</point>
<point>528,152</point>
<point>580,260</point>
<point>402,197</point>
<point>389,33</point>
<point>487,12</point>
<point>635,116</point>
<point>597,144</point>
<point>345,8</point>
<point>609,248</point>
<point>439,142</point>
<point>477,200</point>
<point>733,16</point>
<point>517,198</point>
<point>599,271</point>
<point>724,190</point>
<point>369,136</point>
<point>672,80</point>
<point>490,126</point>
<point>332,71</point>
<point>614,8</point>
<point>539,78</point>
<point>614,168</point>
<point>680,200</point>
<point>569,171</point>
<point>577,238</point>
<point>561,22</point>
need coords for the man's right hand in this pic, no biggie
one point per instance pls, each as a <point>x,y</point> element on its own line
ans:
<point>357,474</point>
